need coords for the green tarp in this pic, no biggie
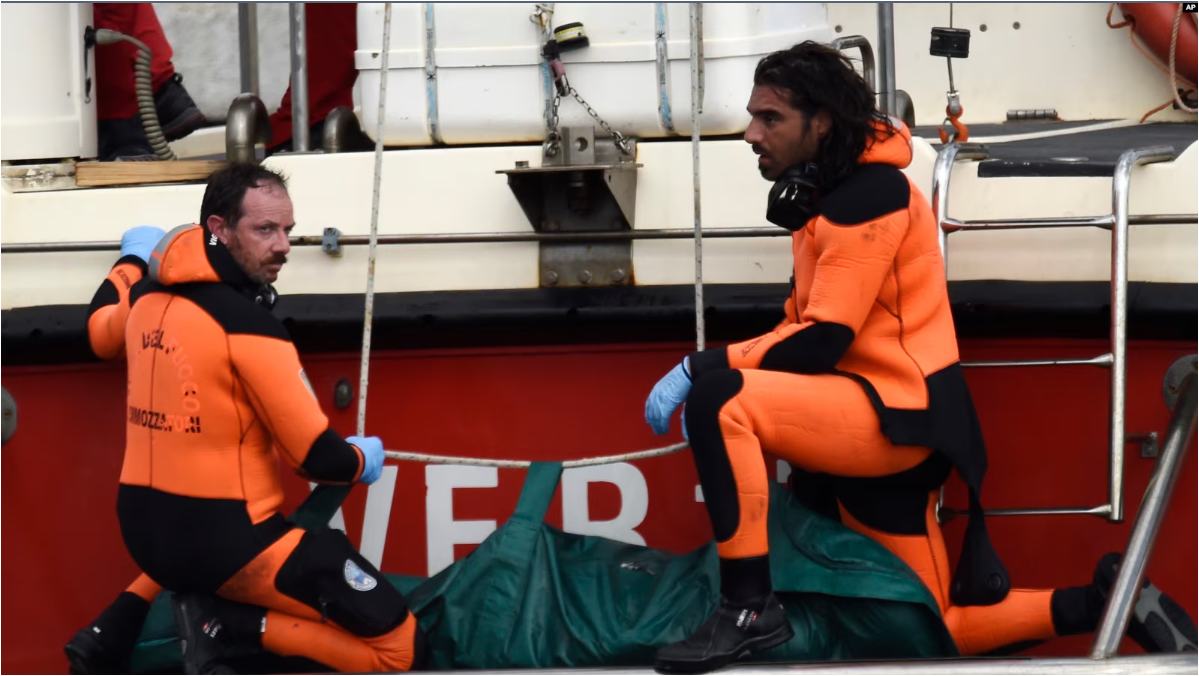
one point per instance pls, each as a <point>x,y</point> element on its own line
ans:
<point>531,596</point>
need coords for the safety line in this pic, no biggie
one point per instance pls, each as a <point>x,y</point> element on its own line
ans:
<point>518,464</point>
<point>364,375</point>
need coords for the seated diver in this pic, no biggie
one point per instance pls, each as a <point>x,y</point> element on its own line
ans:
<point>861,381</point>
<point>216,394</point>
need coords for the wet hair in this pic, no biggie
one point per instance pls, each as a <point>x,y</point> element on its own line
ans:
<point>817,77</point>
<point>227,188</point>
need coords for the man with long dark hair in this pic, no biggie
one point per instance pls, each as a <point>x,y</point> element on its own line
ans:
<point>859,387</point>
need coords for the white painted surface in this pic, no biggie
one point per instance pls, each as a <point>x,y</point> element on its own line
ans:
<point>634,502</point>
<point>1062,56</point>
<point>488,59</point>
<point>457,190</point>
<point>443,530</point>
<point>1008,68</point>
<point>46,111</point>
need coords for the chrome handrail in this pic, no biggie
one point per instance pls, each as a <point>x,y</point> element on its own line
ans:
<point>298,30</point>
<point>886,56</point>
<point>247,34</point>
<point>1118,221</point>
<point>867,52</point>
<point>1145,527</point>
<point>524,236</point>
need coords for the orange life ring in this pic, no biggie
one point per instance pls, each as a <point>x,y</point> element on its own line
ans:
<point>1153,24</point>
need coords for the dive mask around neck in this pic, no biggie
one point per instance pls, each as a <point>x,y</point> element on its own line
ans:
<point>793,199</point>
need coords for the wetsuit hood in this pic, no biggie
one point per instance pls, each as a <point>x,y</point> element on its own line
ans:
<point>885,147</point>
<point>192,254</point>
<point>796,196</point>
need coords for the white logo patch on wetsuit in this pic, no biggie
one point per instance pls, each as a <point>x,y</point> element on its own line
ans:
<point>357,578</point>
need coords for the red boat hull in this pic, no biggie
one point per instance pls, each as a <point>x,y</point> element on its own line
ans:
<point>1046,431</point>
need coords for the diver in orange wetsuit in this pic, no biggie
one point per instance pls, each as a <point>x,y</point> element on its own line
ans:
<point>860,383</point>
<point>217,395</point>
<point>218,280</point>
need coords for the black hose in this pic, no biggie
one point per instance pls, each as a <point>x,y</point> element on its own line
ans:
<point>143,85</point>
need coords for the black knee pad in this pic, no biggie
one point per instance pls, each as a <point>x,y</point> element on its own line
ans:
<point>328,574</point>
<point>896,503</point>
<point>817,492</point>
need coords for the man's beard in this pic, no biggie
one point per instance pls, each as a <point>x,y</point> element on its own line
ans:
<point>255,269</point>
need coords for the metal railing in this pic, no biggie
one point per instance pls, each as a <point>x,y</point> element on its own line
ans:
<point>531,236</point>
<point>886,57</point>
<point>1123,595</point>
<point>298,30</point>
<point>867,52</point>
<point>1118,222</point>
<point>247,33</point>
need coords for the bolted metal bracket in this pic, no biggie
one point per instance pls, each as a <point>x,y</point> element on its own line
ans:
<point>9,415</point>
<point>1148,442</point>
<point>589,186</point>
<point>1175,375</point>
<point>598,264</point>
<point>330,242</point>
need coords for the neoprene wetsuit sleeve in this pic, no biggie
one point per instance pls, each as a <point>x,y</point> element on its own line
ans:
<point>852,262</point>
<point>109,308</point>
<point>269,369</point>
<point>790,316</point>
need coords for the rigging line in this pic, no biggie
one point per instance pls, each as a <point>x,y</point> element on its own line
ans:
<point>364,375</point>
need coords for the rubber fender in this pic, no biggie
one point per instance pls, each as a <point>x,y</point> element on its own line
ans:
<point>1153,24</point>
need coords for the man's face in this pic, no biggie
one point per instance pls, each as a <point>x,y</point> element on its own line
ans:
<point>259,243</point>
<point>781,136</point>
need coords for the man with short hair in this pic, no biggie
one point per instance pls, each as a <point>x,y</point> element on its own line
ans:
<point>215,389</point>
<point>859,385</point>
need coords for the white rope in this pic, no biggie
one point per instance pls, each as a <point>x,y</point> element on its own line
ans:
<point>1174,73</point>
<point>696,109</point>
<point>364,375</point>
<point>370,282</point>
<point>518,464</point>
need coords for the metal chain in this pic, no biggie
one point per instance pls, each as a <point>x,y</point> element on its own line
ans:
<point>553,141</point>
<point>554,138</point>
<point>621,141</point>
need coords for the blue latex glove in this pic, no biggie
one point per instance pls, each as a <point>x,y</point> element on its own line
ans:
<point>140,241</point>
<point>684,416</point>
<point>372,458</point>
<point>666,396</point>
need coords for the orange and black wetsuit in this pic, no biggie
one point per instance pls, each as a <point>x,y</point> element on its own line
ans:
<point>110,308</point>
<point>107,642</point>
<point>861,383</point>
<point>215,388</point>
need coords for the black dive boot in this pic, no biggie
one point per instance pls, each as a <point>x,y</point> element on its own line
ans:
<point>178,114</point>
<point>212,629</point>
<point>1158,624</point>
<point>748,620</point>
<point>105,646</point>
